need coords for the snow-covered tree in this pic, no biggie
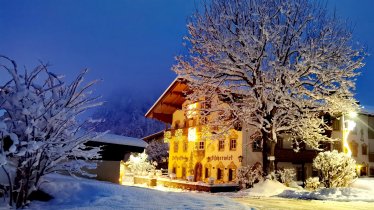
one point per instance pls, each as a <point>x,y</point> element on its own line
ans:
<point>139,164</point>
<point>278,65</point>
<point>249,175</point>
<point>312,183</point>
<point>157,151</point>
<point>337,169</point>
<point>39,129</point>
<point>287,176</point>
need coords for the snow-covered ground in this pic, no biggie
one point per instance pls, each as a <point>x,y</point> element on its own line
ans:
<point>361,190</point>
<point>73,193</point>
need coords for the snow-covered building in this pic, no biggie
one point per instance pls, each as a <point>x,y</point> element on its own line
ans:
<point>360,140</point>
<point>115,150</point>
<point>192,153</point>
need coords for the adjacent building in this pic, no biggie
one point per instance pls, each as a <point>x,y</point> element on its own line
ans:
<point>115,150</point>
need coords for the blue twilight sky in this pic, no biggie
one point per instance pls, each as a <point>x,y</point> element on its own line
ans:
<point>130,44</point>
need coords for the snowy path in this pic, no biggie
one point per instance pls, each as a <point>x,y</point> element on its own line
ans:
<point>85,194</point>
<point>275,203</point>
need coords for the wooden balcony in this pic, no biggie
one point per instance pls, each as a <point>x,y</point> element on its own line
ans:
<point>289,155</point>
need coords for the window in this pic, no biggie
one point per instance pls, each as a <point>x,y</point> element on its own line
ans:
<point>371,125</point>
<point>206,172</point>
<point>233,144</point>
<point>183,172</point>
<point>221,145</point>
<point>300,176</point>
<point>185,146</point>
<point>354,147</point>
<point>231,174</point>
<point>257,144</point>
<point>219,174</point>
<point>364,148</point>
<point>201,145</point>
<point>175,146</point>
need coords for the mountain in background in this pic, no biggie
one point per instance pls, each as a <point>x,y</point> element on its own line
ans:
<point>123,114</point>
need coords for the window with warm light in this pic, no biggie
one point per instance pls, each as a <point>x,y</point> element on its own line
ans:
<point>192,134</point>
<point>233,144</point>
<point>191,110</point>
<point>221,145</point>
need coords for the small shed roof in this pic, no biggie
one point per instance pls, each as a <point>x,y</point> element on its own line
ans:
<point>121,140</point>
<point>155,136</point>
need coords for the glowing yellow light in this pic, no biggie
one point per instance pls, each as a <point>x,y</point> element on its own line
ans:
<point>167,136</point>
<point>191,110</point>
<point>348,125</point>
<point>121,173</point>
<point>192,134</point>
<point>351,125</point>
<point>352,114</point>
<point>179,134</point>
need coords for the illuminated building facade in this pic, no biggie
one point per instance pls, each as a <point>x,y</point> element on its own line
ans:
<point>193,152</point>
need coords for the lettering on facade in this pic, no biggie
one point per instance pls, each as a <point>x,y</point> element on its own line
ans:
<point>178,158</point>
<point>218,158</point>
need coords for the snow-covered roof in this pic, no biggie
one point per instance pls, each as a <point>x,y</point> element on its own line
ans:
<point>121,140</point>
<point>369,110</point>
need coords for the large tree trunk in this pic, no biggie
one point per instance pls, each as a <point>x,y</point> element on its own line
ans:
<point>268,153</point>
<point>272,157</point>
<point>265,152</point>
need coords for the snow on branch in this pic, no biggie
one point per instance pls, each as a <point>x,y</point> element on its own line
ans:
<point>39,130</point>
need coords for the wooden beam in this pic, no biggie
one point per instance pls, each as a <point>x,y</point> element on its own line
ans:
<point>178,93</point>
<point>171,105</point>
<point>167,118</point>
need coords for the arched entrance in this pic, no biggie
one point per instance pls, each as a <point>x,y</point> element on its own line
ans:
<point>198,172</point>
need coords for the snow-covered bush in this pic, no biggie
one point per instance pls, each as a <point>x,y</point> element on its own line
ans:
<point>312,183</point>
<point>287,176</point>
<point>157,151</point>
<point>249,175</point>
<point>138,164</point>
<point>38,127</point>
<point>337,169</point>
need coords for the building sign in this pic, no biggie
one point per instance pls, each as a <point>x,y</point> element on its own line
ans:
<point>178,158</point>
<point>219,158</point>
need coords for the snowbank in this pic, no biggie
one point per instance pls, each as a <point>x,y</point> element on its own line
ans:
<point>361,190</point>
<point>73,193</point>
<point>267,188</point>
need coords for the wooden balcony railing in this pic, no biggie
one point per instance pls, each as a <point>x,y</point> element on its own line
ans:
<point>289,155</point>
